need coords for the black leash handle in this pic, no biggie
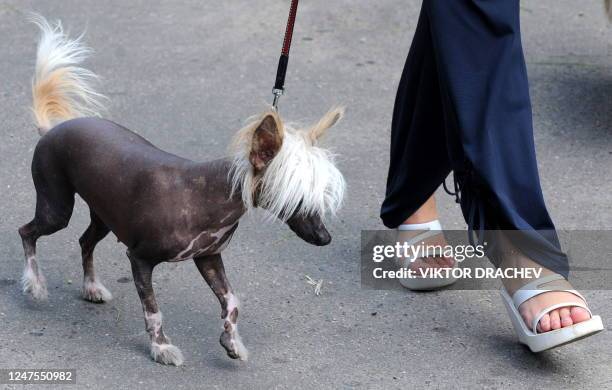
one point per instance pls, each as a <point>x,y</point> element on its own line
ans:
<point>281,71</point>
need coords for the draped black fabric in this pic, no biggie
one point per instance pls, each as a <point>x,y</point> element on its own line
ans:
<point>463,105</point>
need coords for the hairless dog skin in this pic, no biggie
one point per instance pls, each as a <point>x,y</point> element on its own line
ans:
<point>164,208</point>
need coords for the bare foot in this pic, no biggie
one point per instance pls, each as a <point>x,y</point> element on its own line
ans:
<point>427,262</point>
<point>554,319</point>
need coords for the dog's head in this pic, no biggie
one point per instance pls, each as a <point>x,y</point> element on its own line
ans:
<point>282,170</point>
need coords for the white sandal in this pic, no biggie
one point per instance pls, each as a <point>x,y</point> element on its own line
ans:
<point>432,228</point>
<point>538,342</point>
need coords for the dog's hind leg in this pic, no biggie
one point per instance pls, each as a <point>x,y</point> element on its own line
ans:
<point>32,282</point>
<point>162,350</point>
<point>50,217</point>
<point>93,290</point>
<point>211,268</point>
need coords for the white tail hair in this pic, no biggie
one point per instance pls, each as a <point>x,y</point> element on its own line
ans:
<point>61,89</point>
<point>302,178</point>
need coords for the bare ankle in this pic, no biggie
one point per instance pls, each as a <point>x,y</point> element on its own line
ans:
<point>426,213</point>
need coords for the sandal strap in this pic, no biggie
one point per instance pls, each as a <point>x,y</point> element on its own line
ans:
<point>536,319</point>
<point>423,236</point>
<point>433,225</point>
<point>534,288</point>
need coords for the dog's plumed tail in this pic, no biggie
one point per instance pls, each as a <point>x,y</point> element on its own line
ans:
<point>61,89</point>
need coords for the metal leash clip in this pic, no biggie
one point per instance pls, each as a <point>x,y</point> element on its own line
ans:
<point>277,92</point>
<point>281,71</point>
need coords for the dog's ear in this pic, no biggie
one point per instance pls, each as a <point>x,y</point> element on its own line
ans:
<point>267,141</point>
<point>328,120</point>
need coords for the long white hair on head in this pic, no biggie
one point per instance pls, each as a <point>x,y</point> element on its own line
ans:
<point>302,177</point>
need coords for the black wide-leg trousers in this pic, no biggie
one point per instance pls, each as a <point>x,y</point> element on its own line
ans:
<point>463,105</point>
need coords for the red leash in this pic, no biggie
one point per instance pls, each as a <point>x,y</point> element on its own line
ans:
<point>281,71</point>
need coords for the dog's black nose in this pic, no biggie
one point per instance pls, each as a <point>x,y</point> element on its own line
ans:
<point>323,238</point>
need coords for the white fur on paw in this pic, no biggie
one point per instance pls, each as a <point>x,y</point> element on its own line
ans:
<point>34,285</point>
<point>241,351</point>
<point>166,354</point>
<point>95,291</point>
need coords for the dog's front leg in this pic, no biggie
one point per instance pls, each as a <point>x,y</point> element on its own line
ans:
<point>162,350</point>
<point>211,268</point>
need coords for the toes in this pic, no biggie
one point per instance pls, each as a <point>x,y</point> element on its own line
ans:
<point>450,261</point>
<point>433,262</point>
<point>558,318</point>
<point>566,319</point>
<point>417,265</point>
<point>166,354</point>
<point>444,262</point>
<point>545,323</point>
<point>437,262</point>
<point>555,320</point>
<point>430,262</point>
<point>579,314</point>
<point>563,317</point>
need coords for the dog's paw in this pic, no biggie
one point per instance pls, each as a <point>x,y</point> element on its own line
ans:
<point>233,345</point>
<point>94,291</point>
<point>34,285</point>
<point>167,354</point>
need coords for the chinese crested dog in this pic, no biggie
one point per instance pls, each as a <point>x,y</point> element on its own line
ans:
<point>164,208</point>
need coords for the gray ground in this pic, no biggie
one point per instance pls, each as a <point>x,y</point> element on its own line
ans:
<point>186,75</point>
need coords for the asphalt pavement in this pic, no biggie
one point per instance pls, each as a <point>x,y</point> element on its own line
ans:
<point>186,75</point>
